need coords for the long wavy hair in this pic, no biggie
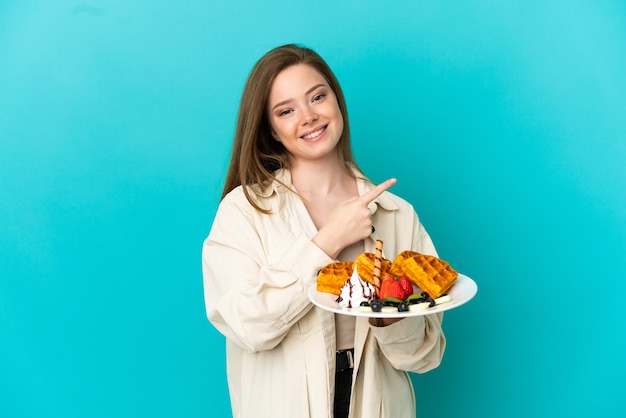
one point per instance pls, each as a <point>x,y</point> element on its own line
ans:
<point>256,155</point>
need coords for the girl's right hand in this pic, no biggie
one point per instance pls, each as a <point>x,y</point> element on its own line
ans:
<point>349,222</point>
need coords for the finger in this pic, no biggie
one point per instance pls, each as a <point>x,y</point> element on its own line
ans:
<point>377,191</point>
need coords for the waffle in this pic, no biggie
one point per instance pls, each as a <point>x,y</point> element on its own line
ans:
<point>331,278</point>
<point>396,266</point>
<point>365,266</point>
<point>431,274</point>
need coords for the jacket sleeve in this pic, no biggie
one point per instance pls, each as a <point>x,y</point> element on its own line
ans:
<point>251,299</point>
<point>413,344</point>
<point>417,343</point>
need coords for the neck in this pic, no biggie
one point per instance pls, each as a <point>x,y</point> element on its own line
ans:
<point>319,177</point>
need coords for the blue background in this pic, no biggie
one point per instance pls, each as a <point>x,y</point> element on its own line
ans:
<point>503,122</point>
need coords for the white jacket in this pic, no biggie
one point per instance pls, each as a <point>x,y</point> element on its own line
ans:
<point>257,271</point>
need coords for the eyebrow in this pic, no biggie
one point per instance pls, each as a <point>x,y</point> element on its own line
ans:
<point>284,102</point>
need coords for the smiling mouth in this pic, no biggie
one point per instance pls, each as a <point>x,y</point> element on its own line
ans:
<point>315,133</point>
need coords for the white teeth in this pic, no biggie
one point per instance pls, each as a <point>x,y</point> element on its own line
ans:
<point>314,134</point>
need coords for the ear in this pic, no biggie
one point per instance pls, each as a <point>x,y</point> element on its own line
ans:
<point>274,135</point>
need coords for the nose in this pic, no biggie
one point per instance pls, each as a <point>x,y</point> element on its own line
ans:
<point>309,115</point>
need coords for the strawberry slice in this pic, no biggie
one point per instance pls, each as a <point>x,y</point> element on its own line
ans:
<point>391,287</point>
<point>384,286</point>
<point>396,287</point>
<point>406,285</point>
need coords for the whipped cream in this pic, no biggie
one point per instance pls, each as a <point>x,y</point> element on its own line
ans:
<point>355,291</point>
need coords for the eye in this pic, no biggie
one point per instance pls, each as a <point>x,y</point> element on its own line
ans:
<point>319,97</point>
<point>284,112</point>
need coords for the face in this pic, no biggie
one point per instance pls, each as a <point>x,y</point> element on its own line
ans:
<point>304,114</point>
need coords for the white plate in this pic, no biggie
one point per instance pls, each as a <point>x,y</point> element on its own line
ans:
<point>462,291</point>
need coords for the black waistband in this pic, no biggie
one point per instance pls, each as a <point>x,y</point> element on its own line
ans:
<point>345,359</point>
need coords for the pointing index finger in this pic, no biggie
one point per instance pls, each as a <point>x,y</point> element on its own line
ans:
<point>377,191</point>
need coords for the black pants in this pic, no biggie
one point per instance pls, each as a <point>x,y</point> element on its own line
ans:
<point>343,388</point>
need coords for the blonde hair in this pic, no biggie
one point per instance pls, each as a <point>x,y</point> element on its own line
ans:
<point>255,154</point>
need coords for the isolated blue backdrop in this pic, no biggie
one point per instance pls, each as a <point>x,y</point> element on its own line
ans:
<point>503,122</point>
